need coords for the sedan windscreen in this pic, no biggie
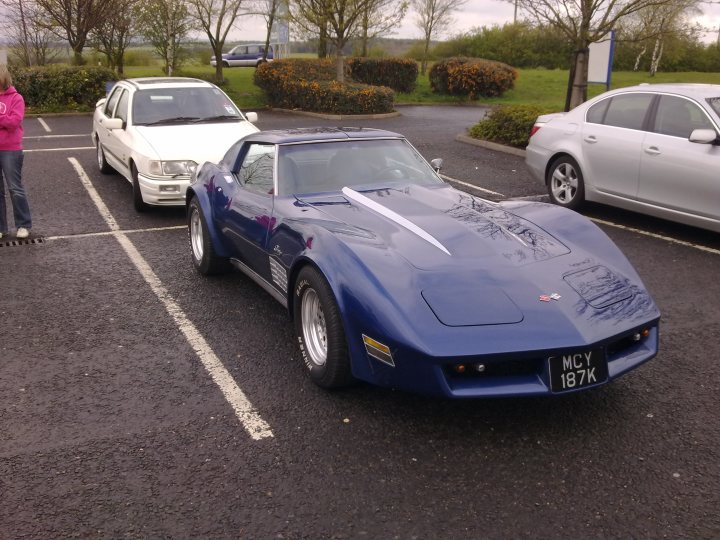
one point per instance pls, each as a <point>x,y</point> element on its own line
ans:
<point>330,166</point>
<point>181,105</point>
<point>715,104</point>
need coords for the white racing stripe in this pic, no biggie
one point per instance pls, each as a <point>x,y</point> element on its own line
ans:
<point>246,413</point>
<point>44,125</point>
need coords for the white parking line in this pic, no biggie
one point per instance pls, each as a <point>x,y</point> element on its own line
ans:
<point>56,136</point>
<point>61,149</point>
<point>246,413</point>
<point>44,125</point>
<point>113,233</point>
<point>473,186</point>
<point>658,236</point>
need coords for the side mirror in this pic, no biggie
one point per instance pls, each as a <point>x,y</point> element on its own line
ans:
<point>100,102</point>
<point>112,123</point>
<point>437,164</point>
<point>703,136</point>
<point>251,117</point>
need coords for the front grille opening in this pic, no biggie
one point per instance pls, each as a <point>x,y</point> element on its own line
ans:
<point>24,242</point>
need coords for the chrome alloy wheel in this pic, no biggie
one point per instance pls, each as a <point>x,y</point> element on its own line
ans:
<point>196,234</point>
<point>564,183</point>
<point>313,327</point>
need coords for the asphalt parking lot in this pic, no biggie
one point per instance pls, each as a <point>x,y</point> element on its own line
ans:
<point>141,400</point>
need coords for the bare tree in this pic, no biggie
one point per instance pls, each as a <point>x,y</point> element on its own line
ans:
<point>165,24</point>
<point>73,20</point>
<point>584,22</point>
<point>380,17</point>
<point>27,33</point>
<point>216,18</point>
<point>339,18</point>
<point>113,37</point>
<point>271,11</point>
<point>433,17</point>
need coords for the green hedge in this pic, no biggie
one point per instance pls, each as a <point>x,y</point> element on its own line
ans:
<point>308,85</point>
<point>400,74</point>
<point>472,77</point>
<point>508,124</point>
<point>61,89</point>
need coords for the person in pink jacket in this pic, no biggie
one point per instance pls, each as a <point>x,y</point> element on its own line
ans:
<point>12,111</point>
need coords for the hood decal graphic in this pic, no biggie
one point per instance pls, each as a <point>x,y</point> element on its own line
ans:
<point>394,216</point>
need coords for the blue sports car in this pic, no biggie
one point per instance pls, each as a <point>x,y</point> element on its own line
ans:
<point>392,276</point>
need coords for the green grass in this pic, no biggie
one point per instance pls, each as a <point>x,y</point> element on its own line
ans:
<point>543,87</point>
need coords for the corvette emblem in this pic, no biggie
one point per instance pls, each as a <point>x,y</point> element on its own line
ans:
<point>548,297</point>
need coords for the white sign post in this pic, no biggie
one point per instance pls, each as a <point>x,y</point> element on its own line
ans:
<point>601,59</point>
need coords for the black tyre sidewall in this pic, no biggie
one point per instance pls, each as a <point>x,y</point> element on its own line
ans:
<point>210,262</point>
<point>138,203</point>
<point>579,197</point>
<point>103,165</point>
<point>336,372</point>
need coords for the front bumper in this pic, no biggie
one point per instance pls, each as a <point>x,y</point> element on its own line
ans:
<point>163,191</point>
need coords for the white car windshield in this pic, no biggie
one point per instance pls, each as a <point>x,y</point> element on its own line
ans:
<point>715,104</point>
<point>159,106</point>
<point>330,166</point>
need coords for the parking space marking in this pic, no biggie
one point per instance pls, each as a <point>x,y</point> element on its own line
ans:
<point>113,233</point>
<point>246,413</point>
<point>61,149</point>
<point>56,136</point>
<point>473,186</point>
<point>44,125</point>
<point>658,236</point>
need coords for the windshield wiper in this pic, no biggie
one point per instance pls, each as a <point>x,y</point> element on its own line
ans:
<point>219,118</point>
<point>174,120</point>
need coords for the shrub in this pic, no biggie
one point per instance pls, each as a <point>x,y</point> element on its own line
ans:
<point>508,124</point>
<point>400,74</point>
<point>308,85</point>
<point>472,77</point>
<point>57,89</point>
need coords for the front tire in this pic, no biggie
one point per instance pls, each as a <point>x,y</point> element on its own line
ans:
<point>138,202</point>
<point>319,331</point>
<point>565,183</point>
<point>103,165</point>
<point>205,259</point>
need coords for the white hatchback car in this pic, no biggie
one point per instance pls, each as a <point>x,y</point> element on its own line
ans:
<point>155,131</point>
<point>654,149</point>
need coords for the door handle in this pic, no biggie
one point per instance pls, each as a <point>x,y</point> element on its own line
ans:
<point>590,139</point>
<point>652,150</point>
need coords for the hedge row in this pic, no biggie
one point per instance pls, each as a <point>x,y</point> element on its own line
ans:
<point>400,74</point>
<point>508,124</point>
<point>308,85</point>
<point>472,77</point>
<point>60,89</point>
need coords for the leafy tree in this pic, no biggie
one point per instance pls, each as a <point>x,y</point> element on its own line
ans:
<point>433,17</point>
<point>165,24</point>
<point>379,17</point>
<point>216,18</point>
<point>73,20</point>
<point>113,36</point>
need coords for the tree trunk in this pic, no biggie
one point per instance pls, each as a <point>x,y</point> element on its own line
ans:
<point>218,64</point>
<point>639,57</point>
<point>579,87</point>
<point>340,65</point>
<point>424,61</point>
<point>656,56</point>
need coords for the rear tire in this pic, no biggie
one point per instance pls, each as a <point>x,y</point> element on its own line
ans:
<point>205,259</point>
<point>565,183</point>
<point>319,331</point>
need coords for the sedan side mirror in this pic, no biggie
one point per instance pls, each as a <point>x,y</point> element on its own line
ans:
<point>437,164</point>
<point>112,123</point>
<point>251,117</point>
<point>704,136</point>
<point>100,102</point>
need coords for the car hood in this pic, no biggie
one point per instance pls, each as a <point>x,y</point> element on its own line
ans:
<point>198,142</point>
<point>433,227</point>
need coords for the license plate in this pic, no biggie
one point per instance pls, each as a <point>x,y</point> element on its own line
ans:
<point>577,370</point>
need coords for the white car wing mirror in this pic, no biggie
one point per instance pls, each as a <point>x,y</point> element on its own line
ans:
<point>703,136</point>
<point>252,117</point>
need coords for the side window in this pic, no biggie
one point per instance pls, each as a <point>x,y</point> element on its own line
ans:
<point>596,113</point>
<point>628,110</point>
<point>256,171</point>
<point>679,117</point>
<point>112,101</point>
<point>253,49</point>
<point>122,108</point>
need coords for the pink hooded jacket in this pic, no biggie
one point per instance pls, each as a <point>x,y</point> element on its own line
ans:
<point>12,111</point>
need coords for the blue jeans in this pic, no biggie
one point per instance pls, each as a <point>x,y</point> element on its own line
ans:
<point>11,162</point>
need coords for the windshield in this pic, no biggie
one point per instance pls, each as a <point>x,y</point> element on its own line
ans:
<point>182,105</point>
<point>715,104</point>
<point>330,166</point>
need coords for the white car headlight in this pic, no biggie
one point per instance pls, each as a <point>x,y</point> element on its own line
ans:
<point>172,168</point>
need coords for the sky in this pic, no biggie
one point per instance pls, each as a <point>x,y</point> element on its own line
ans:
<point>474,14</point>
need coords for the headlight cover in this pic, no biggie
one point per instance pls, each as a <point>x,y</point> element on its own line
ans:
<point>172,168</point>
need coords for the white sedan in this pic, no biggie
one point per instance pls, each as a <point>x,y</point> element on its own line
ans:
<point>155,131</point>
<point>652,148</point>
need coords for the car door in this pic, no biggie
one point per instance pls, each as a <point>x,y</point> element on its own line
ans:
<point>612,137</point>
<point>243,206</point>
<point>236,56</point>
<point>114,141</point>
<point>675,173</point>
